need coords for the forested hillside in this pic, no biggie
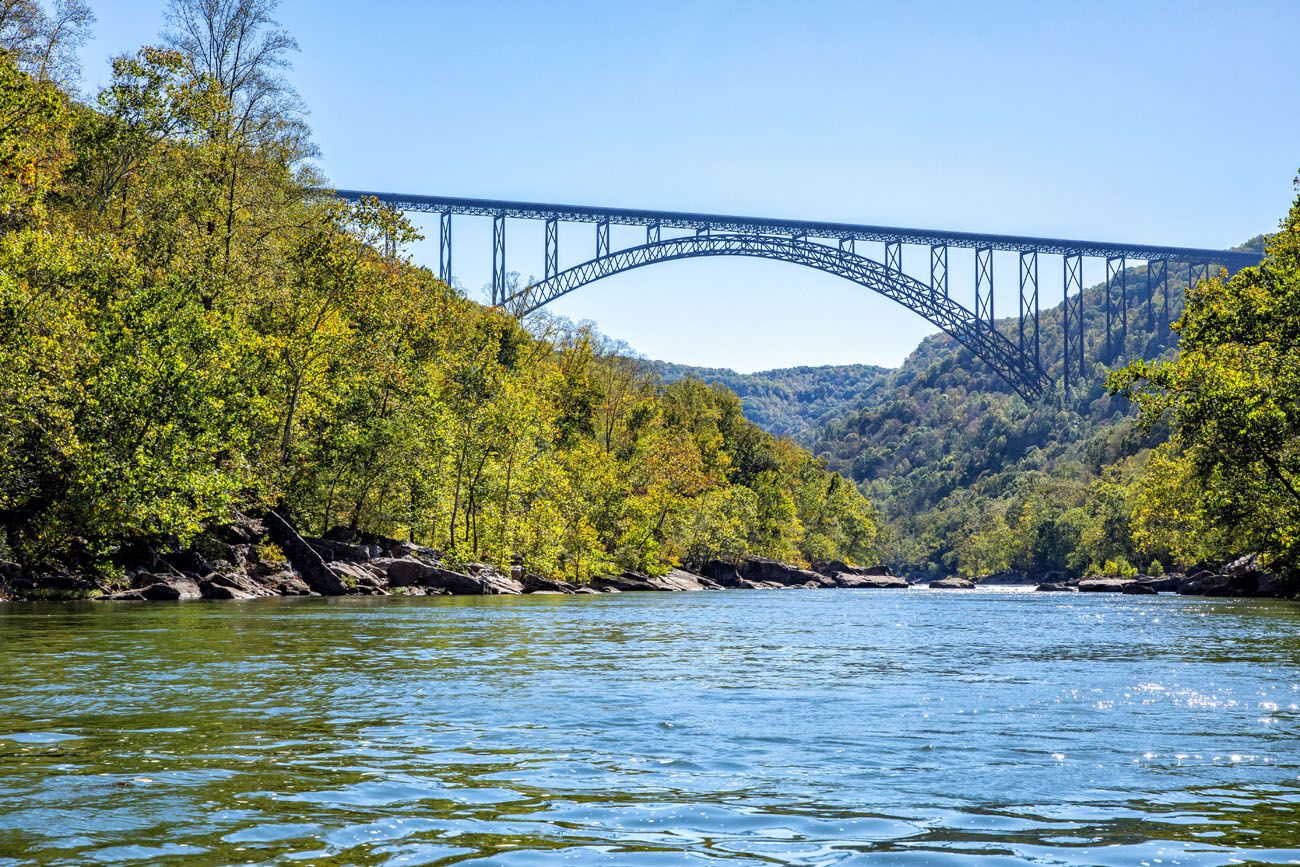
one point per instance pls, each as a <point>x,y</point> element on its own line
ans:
<point>973,479</point>
<point>794,401</point>
<point>188,331</point>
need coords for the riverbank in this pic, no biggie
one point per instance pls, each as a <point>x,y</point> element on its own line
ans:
<point>265,556</point>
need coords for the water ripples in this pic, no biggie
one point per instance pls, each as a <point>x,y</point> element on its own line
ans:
<point>813,728</point>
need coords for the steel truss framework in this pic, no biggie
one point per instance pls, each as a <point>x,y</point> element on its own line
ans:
<point>1072,321</point>
<point>1116,281</point>
<point>1158,275</point>
<point>789,240</point>
<point>1028,324</point>
<point>1022,372</point>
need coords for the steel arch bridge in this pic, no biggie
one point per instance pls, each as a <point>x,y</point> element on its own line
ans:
<point>1017,359</point>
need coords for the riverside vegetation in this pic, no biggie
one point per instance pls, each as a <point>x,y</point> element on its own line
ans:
<point>190,333</point>
<point>195,341</point>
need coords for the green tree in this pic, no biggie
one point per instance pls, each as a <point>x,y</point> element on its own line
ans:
<point>1233,394</point>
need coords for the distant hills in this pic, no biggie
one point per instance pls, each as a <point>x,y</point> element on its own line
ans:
<point>794,402</point>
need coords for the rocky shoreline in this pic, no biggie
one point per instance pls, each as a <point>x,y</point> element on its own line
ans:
<point>262,557</point>
<point>1245,576</point>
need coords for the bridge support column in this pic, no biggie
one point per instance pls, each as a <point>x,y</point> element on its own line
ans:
<point>893,256</point>
<point>444,247</point>
<point>552,263</point>
<point>1116,280</point>
<point>984,287</point>
<point>1072,320</point>
<point>498,259</point>
<point>939,269</point>
<point>1158,275</point>
<point>1029,344</point>
<point>848,247</point>
<point>652,233</point>
<point>602,238</point>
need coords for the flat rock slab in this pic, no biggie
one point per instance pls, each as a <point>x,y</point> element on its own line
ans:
<point>1104,585</point>
<point>952,584</point>
<point>870,582</point>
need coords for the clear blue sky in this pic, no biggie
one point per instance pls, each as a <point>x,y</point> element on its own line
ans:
<point>1154,122</point>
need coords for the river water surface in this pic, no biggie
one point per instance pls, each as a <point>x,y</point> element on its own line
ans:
<point>780,727</point>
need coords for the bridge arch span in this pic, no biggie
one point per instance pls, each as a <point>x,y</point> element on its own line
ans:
<point>1021,372</point>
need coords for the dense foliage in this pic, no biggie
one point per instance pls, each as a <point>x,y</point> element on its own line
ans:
<point>973,479</point>
<point>793,401</point>
<point>1229,478</point>
<point>186,330</point>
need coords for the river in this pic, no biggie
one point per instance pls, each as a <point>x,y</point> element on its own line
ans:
<point>772,727</point>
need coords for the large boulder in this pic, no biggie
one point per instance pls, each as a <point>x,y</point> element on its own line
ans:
<point>353,575</point>
<point>1167,583</point>
<point>677,580</point>
<point>211,590</point>
<point>487,582</point>
<point>172,588</point>
<point>724,573</point>
<point>533,583</point>
<point>870,582</point>
<point>405,571</point>
<point>1103,585</point>
<point>953,583</point>
<point>1057,587</point>
<point>305,559</point>
<point>627,582</point>
<point>235,585</point>
<point>767,570</point>
<point>680,579</point>
<point>287,584</point>
<point>1139,588</point>
<point>746,584</point>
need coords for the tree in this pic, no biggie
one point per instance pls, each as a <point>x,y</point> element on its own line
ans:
<point>45,44</point>
<point>1233,394</point>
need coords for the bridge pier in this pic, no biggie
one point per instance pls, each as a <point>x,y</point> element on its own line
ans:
<point>939,269</point>
<point>984,288</point>
<point>551,267</point>
<point>1072,320</point>
<point>498,259</point>
<point>1029,344</point>
<point>444,247</point>
<point>1116,278</point>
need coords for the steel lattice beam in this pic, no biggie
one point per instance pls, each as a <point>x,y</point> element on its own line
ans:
<point>1028,325</point>
<point>1158,275</point>
<point>939,269</point>
<point>1072,320</point>
<point>984,287</point>
<point>1000,353</point>
<point>551,266</point>
<point>1116,281</point>
<point>444,247</point>
<point>1233,260</point>
<point>498,258</point>
<point>893,256</point>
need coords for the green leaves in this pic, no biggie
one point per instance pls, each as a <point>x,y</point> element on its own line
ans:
<point>1229,480</point>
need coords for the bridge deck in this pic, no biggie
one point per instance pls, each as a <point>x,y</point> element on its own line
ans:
<point>1231,259</point>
